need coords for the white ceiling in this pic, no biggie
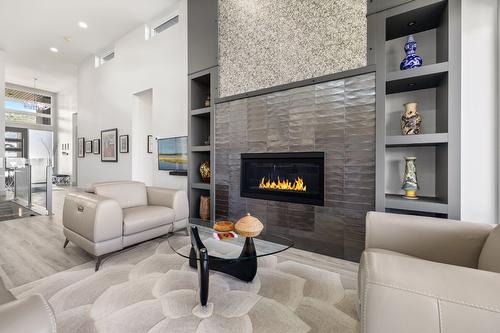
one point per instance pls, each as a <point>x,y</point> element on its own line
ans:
<point>28,28</point>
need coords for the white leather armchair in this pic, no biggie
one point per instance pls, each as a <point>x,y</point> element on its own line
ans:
<point>427,275</point>
<point>121,214</point>
<point>30,314</point>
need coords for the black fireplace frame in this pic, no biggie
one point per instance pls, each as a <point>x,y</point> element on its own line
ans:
<point>318,200</point>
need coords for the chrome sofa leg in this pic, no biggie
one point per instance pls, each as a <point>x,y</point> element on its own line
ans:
<point>65,243</point>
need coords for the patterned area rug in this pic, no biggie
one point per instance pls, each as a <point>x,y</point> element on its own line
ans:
<point>151,289</point>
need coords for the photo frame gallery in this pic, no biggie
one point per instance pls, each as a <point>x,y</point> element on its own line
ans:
<point>81,147</point>
<point>88,147</point>
<point>124,145</point>
<point>150,144</point>
<point>96,146</point>
<point>109,145</point>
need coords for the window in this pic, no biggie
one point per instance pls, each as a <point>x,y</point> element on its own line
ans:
<point>27,106</point>
<point>158,28</point>
<point>104,58</point>
<point>165,25</point>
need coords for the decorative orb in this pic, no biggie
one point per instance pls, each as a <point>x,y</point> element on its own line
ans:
<point>205,171</point>
<point>249,226</point>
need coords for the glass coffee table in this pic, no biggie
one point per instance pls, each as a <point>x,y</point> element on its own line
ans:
<point>235,256</point>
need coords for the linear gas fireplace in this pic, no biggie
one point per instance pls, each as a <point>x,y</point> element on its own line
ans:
<point>290,177</point>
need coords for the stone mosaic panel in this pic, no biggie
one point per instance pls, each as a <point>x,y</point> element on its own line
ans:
<point>337,118</point>
<point>264,43</point>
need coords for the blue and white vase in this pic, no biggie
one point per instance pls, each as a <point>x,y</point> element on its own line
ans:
<point>412,60</point>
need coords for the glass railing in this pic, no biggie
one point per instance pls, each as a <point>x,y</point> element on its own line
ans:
<point>30,181</point>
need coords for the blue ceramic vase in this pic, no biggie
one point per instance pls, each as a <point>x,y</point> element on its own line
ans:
<point>412,60</point>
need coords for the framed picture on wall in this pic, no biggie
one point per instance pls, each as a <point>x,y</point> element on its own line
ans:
<point>124,143</point>
<point>81,147</point>
<point>150,144</point>
<point>88,147</point>
<point>96,146</point>
<point>109,145</point>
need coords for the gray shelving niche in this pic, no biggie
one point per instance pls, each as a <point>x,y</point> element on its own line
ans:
<point>435,26</point>
<point>202,84</point>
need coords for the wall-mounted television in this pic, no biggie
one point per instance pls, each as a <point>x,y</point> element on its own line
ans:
<point>173,154</point>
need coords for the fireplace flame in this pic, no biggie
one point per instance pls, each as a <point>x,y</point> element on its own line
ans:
<point>283,184</point>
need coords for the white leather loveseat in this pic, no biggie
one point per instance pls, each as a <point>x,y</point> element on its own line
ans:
<point>119,214</point>
<point>429,275</point>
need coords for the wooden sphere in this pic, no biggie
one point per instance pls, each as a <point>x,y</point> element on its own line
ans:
<point>249,226</point>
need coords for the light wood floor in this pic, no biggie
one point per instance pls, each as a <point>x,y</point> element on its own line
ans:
<point>31,249</point>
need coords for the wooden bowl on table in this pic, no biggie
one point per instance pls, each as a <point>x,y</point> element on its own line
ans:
<point>223,226</point>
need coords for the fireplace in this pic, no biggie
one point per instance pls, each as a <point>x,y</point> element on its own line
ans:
<point>290,177</point>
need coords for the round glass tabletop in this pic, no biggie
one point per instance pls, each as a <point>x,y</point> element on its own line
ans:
<point>230,249</point>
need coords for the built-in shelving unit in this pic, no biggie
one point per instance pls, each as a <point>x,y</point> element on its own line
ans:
<point>435,26</point>
<point>202,33</point>
<point>425,77</point>
<point>431,139</point>
<point>423,204</point>
<point>202,92</point>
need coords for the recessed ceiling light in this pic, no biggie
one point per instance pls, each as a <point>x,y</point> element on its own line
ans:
<point>83,25</point>
<point>53,49</point>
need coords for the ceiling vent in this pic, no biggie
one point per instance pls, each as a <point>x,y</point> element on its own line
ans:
<point>165,25</point>
<point>104,58</point>
<point>108,57</point>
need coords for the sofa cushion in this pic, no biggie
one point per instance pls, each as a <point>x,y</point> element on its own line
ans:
<point>128,194</point>
<point>137,219</point>
<point>489,260</point>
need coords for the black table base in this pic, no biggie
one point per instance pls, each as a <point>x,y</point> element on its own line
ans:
<point>243,268</point>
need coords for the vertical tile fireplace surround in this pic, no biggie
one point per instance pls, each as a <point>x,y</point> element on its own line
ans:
<point>336,118</point>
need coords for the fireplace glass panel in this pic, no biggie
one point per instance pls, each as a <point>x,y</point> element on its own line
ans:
<point>292,177</point>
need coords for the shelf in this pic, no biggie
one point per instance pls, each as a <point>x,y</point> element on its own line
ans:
<point>423,77</point>
<point>423,204</point>
<point>414,21</point>
<point>200,148</point>
<point>201,186</point>
<point>203,112</point>
<point>431,139</point>
<point>200,90</point>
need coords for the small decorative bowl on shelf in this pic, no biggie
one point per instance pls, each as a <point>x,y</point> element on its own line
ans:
<point>249,226</point>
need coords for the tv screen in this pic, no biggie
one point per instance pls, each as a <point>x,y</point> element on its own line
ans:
<point>172,154</point>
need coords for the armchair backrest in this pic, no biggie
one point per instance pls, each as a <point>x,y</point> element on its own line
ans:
<point>127,194</point>
<point>446,241</point>
<point>489,260</point>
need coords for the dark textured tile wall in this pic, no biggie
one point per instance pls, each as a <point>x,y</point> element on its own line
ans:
<point>336,117</point>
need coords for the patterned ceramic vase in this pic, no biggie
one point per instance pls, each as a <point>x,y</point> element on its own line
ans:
<point>410,184</point>
<point>204,207</point>
<point>411,60</point>
<point>410,120</point>
<point>205,171</point>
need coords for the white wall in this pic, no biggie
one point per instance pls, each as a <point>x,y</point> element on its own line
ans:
<point>66,106</point>
<point>106,97</point>
<point>2,121</point>
<point>479,152</point>
<point>142,126</point>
